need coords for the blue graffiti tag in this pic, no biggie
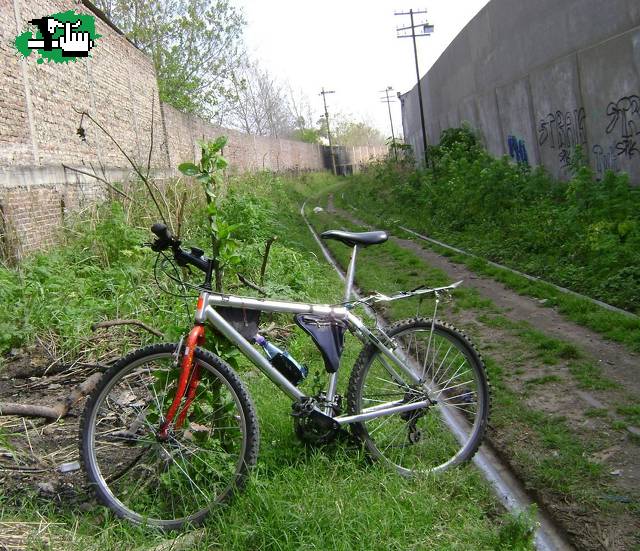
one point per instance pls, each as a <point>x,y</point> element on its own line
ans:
<point>518,150</point>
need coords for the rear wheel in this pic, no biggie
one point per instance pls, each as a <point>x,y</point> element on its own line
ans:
<point>449,428</point>
<point>174,481</point>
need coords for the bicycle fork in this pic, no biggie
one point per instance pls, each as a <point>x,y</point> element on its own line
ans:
<point>187,383</point>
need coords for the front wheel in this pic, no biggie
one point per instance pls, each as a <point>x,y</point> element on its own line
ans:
<point>173,481</point>
<point>453,383</point>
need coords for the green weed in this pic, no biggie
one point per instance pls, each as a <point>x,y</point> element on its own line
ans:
<point>553,457</point>
<point>589,376</point>
<point>584,235</point>
<point>545,379</point>
<point>597,412</point>
<point>631,414</point>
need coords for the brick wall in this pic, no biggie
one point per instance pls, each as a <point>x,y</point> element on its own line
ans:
<point>40,152</point>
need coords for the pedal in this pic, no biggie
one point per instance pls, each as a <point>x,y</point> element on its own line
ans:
<point>307,407</point>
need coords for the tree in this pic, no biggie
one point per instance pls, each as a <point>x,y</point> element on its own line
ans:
<point>309,135</point>
<point>260,104</point>
<point>352,133</point>
<point>195,46</point>
<point>303,115</point>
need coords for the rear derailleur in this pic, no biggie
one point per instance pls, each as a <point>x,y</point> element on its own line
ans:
<point>414,434</point>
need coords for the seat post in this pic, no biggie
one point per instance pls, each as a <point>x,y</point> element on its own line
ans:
<point>351,272</point>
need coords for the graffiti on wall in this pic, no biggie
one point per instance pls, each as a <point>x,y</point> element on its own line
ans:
<point>562,131</point>
<point>624,120</point>
<point>518,150</point>
<point>605,160</point>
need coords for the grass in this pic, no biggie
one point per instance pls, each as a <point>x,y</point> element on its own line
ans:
<point>547,454</point>
<point>376,264</point>
<point>597,412</point>
<point>612,325</point>
<point>589,376</point>
<point>631,414</point>
<point>297,498</point>
<point>545,379</point>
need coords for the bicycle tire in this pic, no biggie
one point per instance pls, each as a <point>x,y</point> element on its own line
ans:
<point>453,435</point>
<point>149,481</point>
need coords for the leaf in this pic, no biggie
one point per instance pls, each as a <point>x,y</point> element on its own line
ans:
<point>189,169</point>
<point>219,143</point>
<point>223,231</point>
<point>221,163</point>
<point>234,259</point>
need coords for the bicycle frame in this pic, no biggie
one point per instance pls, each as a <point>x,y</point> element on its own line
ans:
<point>206,312</point>
<point>208,301</point>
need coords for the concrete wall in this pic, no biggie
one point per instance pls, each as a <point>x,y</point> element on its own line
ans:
<point>538,78</point>
<point>40,152</point>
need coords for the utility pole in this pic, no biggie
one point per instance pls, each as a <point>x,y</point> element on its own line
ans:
<point>426,31</point>
<point>389,101</point>
<point>326,117</point>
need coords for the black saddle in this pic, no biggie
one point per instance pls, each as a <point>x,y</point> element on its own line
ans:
<point>352,239</point>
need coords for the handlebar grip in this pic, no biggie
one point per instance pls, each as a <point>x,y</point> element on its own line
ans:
<point>165,239</point>
<point>183,258</point>
<point>161,231</point>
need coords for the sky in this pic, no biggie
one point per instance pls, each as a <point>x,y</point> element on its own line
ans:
<point>349,46</point>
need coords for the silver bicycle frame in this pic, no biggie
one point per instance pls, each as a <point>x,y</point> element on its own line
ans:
<point>403,374</point>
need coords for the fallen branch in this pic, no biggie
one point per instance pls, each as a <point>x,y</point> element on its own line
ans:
<point>111,323</point>
<point>248,283</point>
<point>55,412</point>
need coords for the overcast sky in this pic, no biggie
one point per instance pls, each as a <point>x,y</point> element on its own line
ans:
<point>349,46</point>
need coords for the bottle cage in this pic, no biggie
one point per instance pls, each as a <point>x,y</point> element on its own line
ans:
<point>327,334</point>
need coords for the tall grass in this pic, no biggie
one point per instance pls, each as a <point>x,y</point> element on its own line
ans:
<point>583,234</point>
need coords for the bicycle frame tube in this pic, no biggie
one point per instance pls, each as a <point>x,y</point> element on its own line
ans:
<point>206,312</point>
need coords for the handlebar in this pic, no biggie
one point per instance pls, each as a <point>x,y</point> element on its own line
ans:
<point>165,240</point>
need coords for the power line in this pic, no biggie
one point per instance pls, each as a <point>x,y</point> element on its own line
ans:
<point>326,116</point>
<point>389,101</point>
<point>410,32</point>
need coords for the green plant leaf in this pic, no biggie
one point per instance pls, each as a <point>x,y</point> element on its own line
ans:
<point>189,169</point>
<point>219,143</point>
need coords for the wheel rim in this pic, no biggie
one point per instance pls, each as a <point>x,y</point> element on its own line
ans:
<point>165,483</point>
<point>445,432</point>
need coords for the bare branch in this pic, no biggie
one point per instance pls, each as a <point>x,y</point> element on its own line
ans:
<point>265,258</point>
<point>100,179</point>
<point>126,156</point>
<point>111,323</point>
<point>252,285</point>
<point>55,412</point>
<point>153,99</point>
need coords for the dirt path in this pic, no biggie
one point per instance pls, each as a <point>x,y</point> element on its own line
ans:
<point>617,362</point>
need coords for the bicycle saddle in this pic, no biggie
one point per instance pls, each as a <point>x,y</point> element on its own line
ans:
<point>352,239</point>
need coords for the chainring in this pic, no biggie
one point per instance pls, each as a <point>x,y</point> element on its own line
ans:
<point>311,432</point>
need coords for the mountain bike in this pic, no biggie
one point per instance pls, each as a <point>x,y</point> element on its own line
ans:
<point>171,430</point>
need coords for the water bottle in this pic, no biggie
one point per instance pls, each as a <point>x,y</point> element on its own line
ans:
<point>284,362</point>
